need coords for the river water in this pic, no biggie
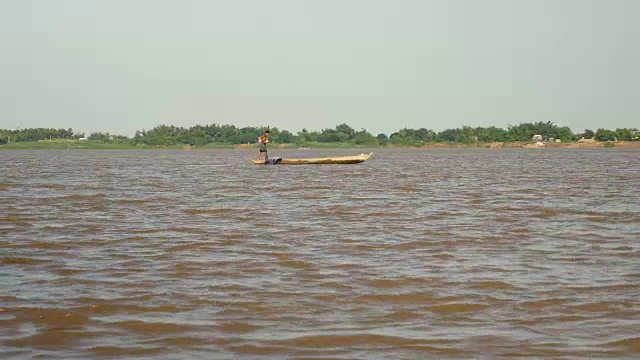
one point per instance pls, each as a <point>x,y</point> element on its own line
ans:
<point>469,254</point>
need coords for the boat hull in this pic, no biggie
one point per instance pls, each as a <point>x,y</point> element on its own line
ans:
<point>318,161</point>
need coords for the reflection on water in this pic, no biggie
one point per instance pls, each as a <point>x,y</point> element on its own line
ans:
<point>412,254</point>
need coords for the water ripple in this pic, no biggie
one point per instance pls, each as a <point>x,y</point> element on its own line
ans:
<point>413,254</point>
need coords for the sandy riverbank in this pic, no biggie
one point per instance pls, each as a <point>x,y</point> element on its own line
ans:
<point>319,146</point>
<point>527,145</point>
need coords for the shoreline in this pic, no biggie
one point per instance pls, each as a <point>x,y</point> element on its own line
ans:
<point>529,145</point>
<point>65,145</point>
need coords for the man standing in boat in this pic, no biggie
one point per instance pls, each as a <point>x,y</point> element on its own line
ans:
<point>262,145</point>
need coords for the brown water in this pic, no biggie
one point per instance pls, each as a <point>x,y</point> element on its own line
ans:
<point>412,254</point>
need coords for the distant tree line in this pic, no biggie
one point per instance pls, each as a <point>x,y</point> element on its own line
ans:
<point>35,134</point>
<point>199,135</point>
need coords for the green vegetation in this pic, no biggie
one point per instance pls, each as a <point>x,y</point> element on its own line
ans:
<point>342,136</point>
<point>617,135</point>
<point>69,145</point>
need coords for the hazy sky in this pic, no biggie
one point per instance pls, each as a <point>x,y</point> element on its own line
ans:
<point>124,65</point>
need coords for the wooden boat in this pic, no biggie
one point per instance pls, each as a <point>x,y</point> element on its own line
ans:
<point>329,160</point>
